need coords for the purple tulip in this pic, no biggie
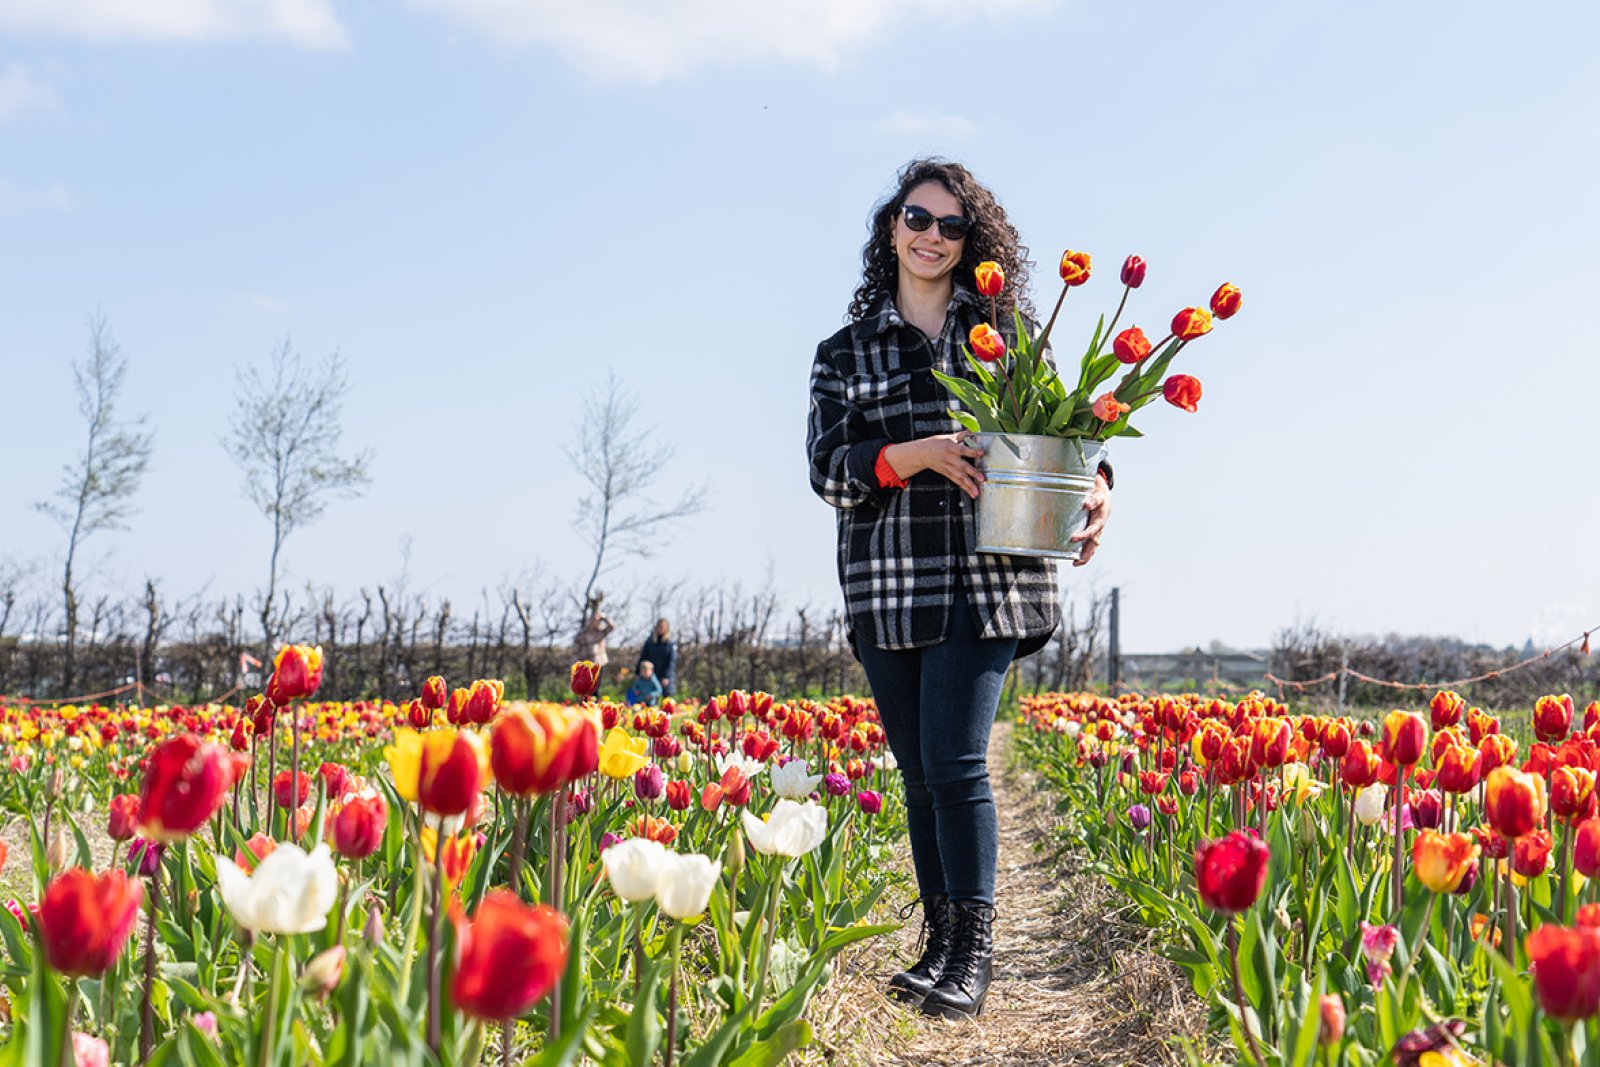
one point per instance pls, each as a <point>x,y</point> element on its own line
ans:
<point>649,783</point>
<point>836,784</point>
<point>146,854</point>
<point>871,802</point>
<point>1139,817</point>
<point>608,839</point>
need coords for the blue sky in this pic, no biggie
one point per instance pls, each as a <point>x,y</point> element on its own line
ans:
<point>486,204</point>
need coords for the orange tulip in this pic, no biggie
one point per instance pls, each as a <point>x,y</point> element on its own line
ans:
<point>1446,707</point>
<point>1460,769</point>
<point>483,701</point>
<point>434,693</point>
<point>986,343</point>
<point>1514,801</point>
<point>990,278</point>
<point>1441,861</point>
<point>1182,391</point>
<point>1108,408</point>
<point>1074,267</point>
<point>459,851</point>
<point>1269,742</point>
<point>1552,717</point>
<point>1131,345</point>
<point>1498,750</point>
<point>1361,765</point>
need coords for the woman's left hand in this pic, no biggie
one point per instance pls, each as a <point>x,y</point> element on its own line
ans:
<point>1099,508</point>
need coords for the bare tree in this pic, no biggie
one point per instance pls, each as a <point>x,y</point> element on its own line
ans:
<point>285,437</point>
<point>96,491</point>
<point>619,459</point>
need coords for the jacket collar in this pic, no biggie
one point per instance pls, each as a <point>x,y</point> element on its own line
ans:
<point>884,316</point>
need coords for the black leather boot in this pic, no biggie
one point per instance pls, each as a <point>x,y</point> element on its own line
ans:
<point>960,991</point>
<point>913,983</point>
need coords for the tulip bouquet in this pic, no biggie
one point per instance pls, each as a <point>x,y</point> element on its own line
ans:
<point>419,881</point>
<point>1020,392</point>
<point>1369,891</point>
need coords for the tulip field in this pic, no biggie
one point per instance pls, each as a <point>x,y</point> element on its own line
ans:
<point>1412,890</point>
<point>451,878</point>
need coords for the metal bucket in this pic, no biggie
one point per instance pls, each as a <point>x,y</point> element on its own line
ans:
<point>1032,497</point>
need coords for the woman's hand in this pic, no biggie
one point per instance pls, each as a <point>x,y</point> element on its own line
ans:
<point>1099,508</point>
<point>947,454</point>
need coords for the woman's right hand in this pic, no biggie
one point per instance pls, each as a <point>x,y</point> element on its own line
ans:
<point>948,454</point>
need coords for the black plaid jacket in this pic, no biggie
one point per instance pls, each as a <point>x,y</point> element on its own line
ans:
<point>903,551</point>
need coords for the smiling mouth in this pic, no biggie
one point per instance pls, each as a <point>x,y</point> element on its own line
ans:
<point>926,256</point>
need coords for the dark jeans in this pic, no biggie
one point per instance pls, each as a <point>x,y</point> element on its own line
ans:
<point>938,705</point>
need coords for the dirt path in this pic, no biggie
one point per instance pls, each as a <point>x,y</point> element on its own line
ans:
<point>1074,982</point>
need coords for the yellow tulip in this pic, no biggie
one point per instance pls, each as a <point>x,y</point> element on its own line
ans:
<point>405,762</point>
<point>622,756</point>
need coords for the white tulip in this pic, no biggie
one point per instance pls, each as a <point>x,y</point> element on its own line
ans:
<point>635,867</point>
<point>1371,804</point>
<point>289,893</point>
<point>791,830</point>
<point>1074,728</point>
<point>686,884</point>
<point>792,781</point>
<point>749,767</point>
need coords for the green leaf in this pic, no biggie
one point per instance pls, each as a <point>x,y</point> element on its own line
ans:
<point>644,1024</point>
<point>561,1053</point>
<point>772,1051</point>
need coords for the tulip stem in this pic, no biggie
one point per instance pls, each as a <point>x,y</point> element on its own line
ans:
<point>769,934</point>
<point>294,770</point>
<point>1399,879</point>
<point>675,947</point>
<point>1044,338</point>
<point>558,857</point>
<point>1238,992</point>
<point>1510,895</point>
<point>435,1023</point>
<point>519,841</point>
<point>409,952</point>
<point>1562,905</point>
<point>147,1012</point>
<point>272,768</point>
<point>67,1057</point>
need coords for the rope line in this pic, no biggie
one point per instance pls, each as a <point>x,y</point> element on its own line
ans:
<point>1304,684</point>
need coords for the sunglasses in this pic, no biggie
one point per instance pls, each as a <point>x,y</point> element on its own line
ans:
<point>951,227</point>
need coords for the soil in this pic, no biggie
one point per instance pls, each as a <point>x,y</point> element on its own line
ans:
<point>1075,982</point>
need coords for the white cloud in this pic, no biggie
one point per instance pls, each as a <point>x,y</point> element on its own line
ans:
<point>22,91</point>
<point>935,127</point>
<point>311,23</point>
<point>15,201</point>
<point>649,40</point>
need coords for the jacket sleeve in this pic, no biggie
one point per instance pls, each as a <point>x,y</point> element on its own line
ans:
<point>842,456</point>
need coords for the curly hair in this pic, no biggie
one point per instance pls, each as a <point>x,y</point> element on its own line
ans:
<point>992,237</point>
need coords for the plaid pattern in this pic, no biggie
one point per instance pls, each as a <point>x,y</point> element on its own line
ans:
<point>902,552</point>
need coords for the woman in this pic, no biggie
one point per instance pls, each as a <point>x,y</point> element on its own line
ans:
<point>935,624</point>
<point>659,650</point>
<point>590,644</point>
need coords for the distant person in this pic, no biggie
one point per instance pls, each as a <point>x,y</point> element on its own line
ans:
<point>659,650</point>
<point>590,644</point>
<point>646,687</point>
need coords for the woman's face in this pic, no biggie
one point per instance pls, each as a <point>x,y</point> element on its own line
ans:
<point>928,256</point>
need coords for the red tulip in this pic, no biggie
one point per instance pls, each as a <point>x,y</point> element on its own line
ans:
<point>1133,272</point>
<point>986,343</point>
<point>511,955</point>
<point>84,920</point>
<point>1566,970</point>
<point>1460,769</point>
<point>1191,323</point>
<point>1332,1013</point>
<point>585,678</point>
<point>1225,301</point>
<point>1405,737</point>
<point>1497,750</point>
<point>483,700</point>
<point>185,781</point>
<point>1572,794</point>
<point>336,778</point>
<point>679,795</point>
<point>256,849</point>
<point>1446,708</point>
<point>1131,345</point>
<point>990,278</point>
<point>453,768</point>
<point>1552,717</point>
<point>418,714</point>
<point>1229,873</point>
<point>291,794</point>
<point>1586,848</point>
<point>537,749</point>
<point>1182,391</point>
<point>1530,856</point>
<point>296,673</point>
<point>1514,801</point>
<point>434,693</point>
<point>123,818</point>
<point>359,825</point>
<point>1360,766</point>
